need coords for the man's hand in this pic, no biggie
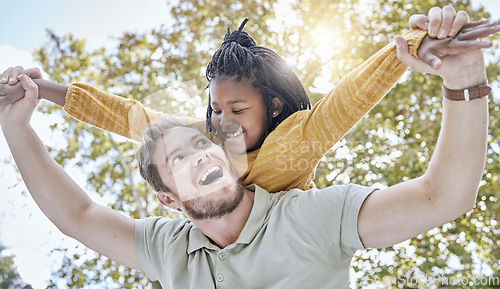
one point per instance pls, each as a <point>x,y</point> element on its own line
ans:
<point>20,111</point>
<point>10,75</point>
<point>448,57</point>
<point>10,90</point>
<point>440,23</point>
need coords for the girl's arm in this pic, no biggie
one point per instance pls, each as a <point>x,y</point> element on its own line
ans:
<point>126,117</point>
<point>290,154</point>
<point>11,91</point>
<point>116,114</point>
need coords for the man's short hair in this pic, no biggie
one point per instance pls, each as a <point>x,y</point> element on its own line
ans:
<point>148,169</point>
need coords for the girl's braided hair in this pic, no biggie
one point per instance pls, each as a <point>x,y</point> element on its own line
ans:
<point>240,58</point>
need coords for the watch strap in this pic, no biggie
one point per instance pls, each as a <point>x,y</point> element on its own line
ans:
<point>467,94</point>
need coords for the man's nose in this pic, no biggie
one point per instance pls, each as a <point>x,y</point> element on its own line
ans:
<point>200,158</point>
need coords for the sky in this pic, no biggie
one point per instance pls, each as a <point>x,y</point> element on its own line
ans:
<point>23,228</point>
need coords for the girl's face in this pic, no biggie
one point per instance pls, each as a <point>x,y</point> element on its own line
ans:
<point>239,114</point>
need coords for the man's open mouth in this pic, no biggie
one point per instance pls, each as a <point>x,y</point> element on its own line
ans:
<point>211,175</point>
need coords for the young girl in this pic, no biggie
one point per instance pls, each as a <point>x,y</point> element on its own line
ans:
<point>256,97</point>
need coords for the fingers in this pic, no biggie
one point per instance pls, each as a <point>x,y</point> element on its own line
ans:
<point>447,19</point>
<point>18,70</point>
<point>435,19</point>
<point>479,31</point>
<point>31,88</point>
<point>5,75</point>
<point>461,19</point>
<point>467,45</point>
<point>432,60</point>
<point>404,55</point>
<point>475,23</point>
<point>403,52</point>
<point>419,21</point>
<point>402,48</point>
<point>445,22</point>
<point>10,75</point>
<point>10,93</point>
<point>34,73</point>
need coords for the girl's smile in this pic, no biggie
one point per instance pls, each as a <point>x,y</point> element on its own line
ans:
<point>238,110</point>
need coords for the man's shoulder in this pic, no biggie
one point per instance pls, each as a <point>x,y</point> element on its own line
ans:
<point>335,190</point>
<point>167,225</point>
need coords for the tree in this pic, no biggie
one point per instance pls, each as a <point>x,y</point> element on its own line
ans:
<point>322,41</point>
<point>9,277</point>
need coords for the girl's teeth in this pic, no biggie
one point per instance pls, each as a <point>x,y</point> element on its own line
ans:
<point>230,135</point>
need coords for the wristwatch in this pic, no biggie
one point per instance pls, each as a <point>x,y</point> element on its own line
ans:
<point>467,94</point>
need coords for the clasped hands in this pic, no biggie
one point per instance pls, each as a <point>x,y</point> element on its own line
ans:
<point>449,37</point>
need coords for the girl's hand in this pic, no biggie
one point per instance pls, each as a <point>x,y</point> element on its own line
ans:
<point>19,113</point>
<point>10,93</point>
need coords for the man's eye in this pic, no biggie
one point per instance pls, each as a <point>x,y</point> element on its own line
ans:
<point>202,143</point>
<point>177,159</point>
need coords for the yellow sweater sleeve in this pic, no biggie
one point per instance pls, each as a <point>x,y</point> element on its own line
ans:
<point>126,117</point>
<point>290,154</point>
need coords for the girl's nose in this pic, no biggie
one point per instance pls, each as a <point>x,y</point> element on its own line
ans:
<point>229,123</point>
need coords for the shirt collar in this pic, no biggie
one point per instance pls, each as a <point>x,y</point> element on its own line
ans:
<point>198,240</point>
<point>257,215</point>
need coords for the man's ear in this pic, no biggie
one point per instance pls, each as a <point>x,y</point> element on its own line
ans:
<point>165,199</point>
<point>277,106</point>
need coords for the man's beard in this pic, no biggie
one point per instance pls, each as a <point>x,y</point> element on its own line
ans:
<point>203,208</point>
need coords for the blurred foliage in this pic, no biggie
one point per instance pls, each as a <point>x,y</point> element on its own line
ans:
<point>9,277</point>
<point>322,40</point>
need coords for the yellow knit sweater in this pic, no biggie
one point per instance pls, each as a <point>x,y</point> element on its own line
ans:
<point>290,154</point>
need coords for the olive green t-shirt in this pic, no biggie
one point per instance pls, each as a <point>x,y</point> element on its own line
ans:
<point>294,239</point>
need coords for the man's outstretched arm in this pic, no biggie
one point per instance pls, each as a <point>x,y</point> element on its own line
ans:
<point>449,187</point>
<point>58,196</point>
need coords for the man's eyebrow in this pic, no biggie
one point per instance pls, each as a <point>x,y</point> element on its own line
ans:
<point>174,151</point>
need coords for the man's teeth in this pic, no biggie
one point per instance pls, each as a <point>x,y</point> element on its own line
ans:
<point>234,134</point>
<point>207,173</point>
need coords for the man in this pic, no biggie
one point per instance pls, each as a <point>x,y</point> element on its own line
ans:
<point>244,237</point>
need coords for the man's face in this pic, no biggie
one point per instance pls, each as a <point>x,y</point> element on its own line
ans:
<point>196,170</point>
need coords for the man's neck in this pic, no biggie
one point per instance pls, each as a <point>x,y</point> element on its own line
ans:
<point>225,230</point>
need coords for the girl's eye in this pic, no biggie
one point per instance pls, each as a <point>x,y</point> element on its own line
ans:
<point>177,159</point>
<point>217,111</point>
<point>238,111</point>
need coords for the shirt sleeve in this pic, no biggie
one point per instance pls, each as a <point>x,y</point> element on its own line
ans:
<point>349,235</point>
<point>330,216</point>
<point>161,245</point>
<point>144,251</point>
<point>126,117</point>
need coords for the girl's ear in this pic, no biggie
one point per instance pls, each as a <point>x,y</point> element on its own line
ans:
<point>167,200</point>
<point>277,106</point>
